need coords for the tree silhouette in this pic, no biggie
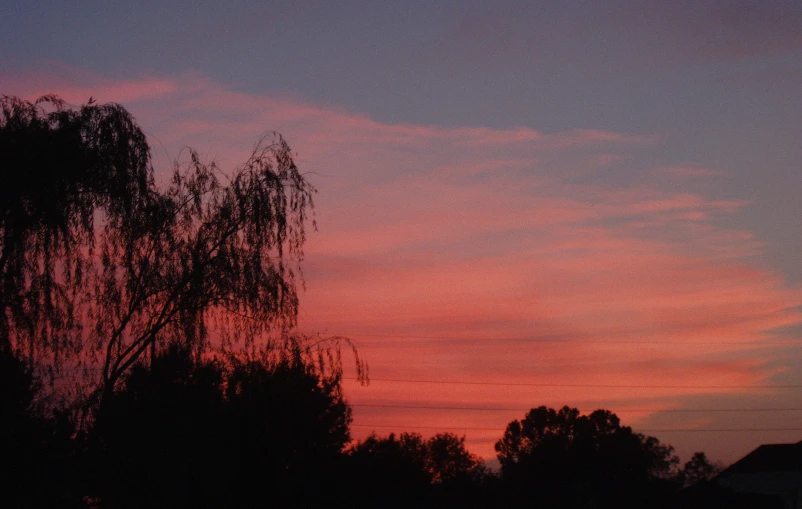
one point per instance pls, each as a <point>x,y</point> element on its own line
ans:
<point>205,254</point>
<point>189,431</point>
<point>389,472</point>
<point>97,264</point>
<point>60,168</point>
<point>159,440</point>
<point>460,478</point>
<point>449,461</point>
<point>37,450</point>
<point>20,427</point>
<point>101,269</point>
<point>290,425</point>
<point>409,471</point>
<point>699,469</point>
<point>572,460</point>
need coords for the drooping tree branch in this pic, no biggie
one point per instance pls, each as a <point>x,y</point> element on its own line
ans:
<point>165,276</point>
<point>97,264</point>
<point>61,168</point>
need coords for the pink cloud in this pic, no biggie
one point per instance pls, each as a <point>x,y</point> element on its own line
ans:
<point>76,86</point>
<point>477,236</point>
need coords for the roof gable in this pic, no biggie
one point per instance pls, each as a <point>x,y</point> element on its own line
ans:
<point>769,458</point>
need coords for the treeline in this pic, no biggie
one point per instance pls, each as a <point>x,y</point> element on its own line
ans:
<point>264,430</point>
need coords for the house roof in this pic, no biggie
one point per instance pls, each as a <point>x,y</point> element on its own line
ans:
<point>769,458</point>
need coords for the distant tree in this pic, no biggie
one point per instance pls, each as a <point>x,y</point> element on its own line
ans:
<point>570,460</point>
<point>460,479</point>
<point>699,469</point>
<point>98,264</point>
<point>389,472</point>
<point>404,470</point>
<point>449,461</point>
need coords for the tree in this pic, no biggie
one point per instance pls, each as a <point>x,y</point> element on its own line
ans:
<point>98,265</point>
<point>389,472</point>
<point>406,470</point>
<point>570,460</point>
<point>449,461</point>
<point>20,427</point>
<point>194,431</point>
<point>204,255</point>
<point>36,450</point>
<point>459,478</point>
<point>60,169</point>
<point>160,439</point>
<point>290,424</point>
<point>698,470</point>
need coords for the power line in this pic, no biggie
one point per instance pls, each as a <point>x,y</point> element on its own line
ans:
<point>573,339</point>
<point>509,409</point>
<point>582,386</point>
<point>466,428</point>
<point>678,430</point>
<point>717,430</point>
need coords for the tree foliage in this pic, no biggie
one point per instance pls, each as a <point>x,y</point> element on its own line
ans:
<point>99,265</point>
<point>190,431</point>
<point>407,470</point>
<point>574,459</point>
<point>60,168</point>
<point>203,255</point>
<point>37,448</point>
<point>449,461</point>
<point>699,469</point>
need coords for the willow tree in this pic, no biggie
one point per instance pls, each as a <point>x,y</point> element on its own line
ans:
<point>101,267</point>
<point>60,168</point>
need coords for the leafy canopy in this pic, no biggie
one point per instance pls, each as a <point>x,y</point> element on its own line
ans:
<point>60,168</point>
<point>99,266</point>
<point>223,431</point>
<point>573,460</point>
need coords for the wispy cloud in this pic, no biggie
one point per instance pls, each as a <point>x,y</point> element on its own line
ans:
<point>480,237</point>
<point>76,86</point>
<point>687,171</point>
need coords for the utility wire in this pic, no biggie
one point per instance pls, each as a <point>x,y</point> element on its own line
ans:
<point>584,386</point>
<point>509,409</point>
<point>571,339</point>
<point>679,430</point>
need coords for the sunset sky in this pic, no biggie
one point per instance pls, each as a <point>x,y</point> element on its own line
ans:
<point>539,203</point>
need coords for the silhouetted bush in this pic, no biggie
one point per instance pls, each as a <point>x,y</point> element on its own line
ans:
<point>193,432</point>
<point>561,459</point>
<point>38,450</point>
<point>408,471</point>
<point>289,426</point>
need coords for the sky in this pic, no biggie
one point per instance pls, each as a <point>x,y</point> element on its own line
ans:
<point>594,204</point>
